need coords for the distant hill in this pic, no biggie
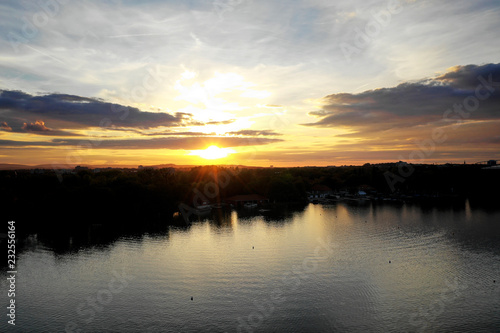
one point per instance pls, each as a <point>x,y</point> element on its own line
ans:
<point>8,166</point>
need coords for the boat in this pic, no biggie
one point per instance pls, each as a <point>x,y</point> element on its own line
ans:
<point>219,206</point>
<point>250,205</point>
<point>204,208</point>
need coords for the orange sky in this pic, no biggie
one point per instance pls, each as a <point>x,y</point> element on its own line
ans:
<point>276,83</point>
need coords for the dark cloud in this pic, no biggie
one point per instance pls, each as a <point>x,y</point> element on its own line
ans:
<point>158,133</point>
<point>466,77</point>
<point>254,133</point>
<point>188,143</point>
<point>39,128</point>
<point>53,114</point>
<point>411,104</point>
<point>25,144</point>
<point>81,112</point>
<point>4,126</point>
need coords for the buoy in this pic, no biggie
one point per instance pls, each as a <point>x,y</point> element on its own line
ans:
<point>494,281</point>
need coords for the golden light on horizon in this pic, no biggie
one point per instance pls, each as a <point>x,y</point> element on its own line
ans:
<point>213,153</point>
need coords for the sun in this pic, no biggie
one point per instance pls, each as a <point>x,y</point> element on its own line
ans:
<point>212,153</point>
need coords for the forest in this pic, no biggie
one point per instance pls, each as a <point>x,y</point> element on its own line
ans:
<point>121,196</point>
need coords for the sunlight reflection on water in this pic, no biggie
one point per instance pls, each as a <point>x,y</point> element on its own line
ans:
<point>391,268</point>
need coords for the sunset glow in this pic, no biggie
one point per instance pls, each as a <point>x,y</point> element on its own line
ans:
<point>213,153</point>
<point>319,84</point>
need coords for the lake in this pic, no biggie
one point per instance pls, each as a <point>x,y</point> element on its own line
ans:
<point>355,266</point>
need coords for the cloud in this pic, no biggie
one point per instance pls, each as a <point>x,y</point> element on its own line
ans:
<point>187,143</point>
<point>224,122</point>
<point>158,133</point>
<point>81,112</point>
<point>254,133</point>
<point>38,126</point>
<point>138,129</point>
<point>411,104</point>
<point>466,77</point>
<point>4,126</point>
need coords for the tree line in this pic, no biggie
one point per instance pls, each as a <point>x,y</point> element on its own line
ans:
<point>130,196</point>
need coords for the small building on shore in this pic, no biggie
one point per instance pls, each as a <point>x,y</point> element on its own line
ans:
<point>319,191</point>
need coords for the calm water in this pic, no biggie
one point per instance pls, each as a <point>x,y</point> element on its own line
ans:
<point>348,267</point>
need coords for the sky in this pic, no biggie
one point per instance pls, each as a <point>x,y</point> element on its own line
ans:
<point>249,82</point>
